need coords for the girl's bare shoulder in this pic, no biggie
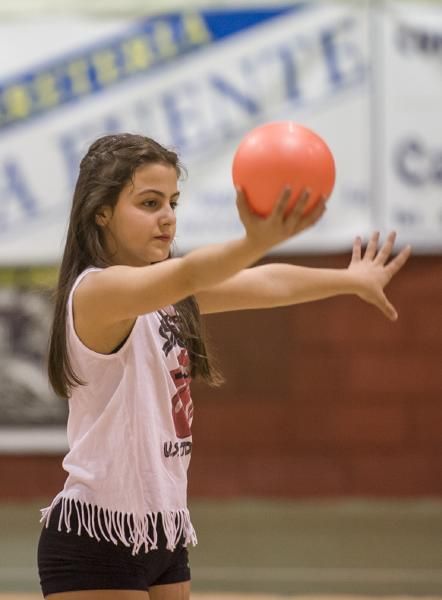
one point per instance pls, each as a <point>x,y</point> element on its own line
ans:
<point>94,320</point>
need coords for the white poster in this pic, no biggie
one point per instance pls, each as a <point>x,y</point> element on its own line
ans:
<point>197,82</point>
<point>410,121</point>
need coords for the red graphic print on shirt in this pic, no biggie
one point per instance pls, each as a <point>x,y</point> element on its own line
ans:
<point>182,407</point>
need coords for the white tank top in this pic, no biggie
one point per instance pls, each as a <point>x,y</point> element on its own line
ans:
<point>129,436</point>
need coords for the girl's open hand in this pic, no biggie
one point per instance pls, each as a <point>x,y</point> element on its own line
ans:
<point>279,225</point>
<point>373,272</point>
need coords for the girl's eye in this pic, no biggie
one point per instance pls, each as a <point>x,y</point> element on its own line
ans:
<point>154,204</point>
<point>150,203</point>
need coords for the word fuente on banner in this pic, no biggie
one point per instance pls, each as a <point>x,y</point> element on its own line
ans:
<point>218,102</point>
<point>200,110</point>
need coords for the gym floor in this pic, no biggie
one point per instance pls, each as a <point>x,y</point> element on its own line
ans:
<point>321,548</point>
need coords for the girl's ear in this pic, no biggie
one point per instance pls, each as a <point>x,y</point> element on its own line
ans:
<point>103,216</point>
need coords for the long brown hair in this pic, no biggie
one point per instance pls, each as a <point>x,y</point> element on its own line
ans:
<point>107,167</point>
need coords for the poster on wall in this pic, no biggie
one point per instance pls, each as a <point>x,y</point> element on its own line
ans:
<point>195,81</point>
<point>411,127</point>
<point>31,416</point>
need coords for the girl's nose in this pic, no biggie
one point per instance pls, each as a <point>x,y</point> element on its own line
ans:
<point>167,216</point>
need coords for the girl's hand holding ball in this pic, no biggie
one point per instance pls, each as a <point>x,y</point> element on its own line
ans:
<point>279,225</point>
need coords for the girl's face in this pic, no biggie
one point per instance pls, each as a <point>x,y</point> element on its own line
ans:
<point>141,227</point>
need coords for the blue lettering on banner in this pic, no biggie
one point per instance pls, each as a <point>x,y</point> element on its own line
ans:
<point>249,105</point>
<point>344,59</point>
<point>15,195</point>
<point>290,73</point>
<point>184,118</point>
<point>413,40</point>
<point>355,195</point>
<point>407,218</point>
<point>72,144</point>
<point>218,105</point>
<point>141,48</point>
<point>201,112</point>
<point>417,164</point>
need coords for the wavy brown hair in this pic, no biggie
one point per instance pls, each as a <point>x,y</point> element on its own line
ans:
<point>107,167</point>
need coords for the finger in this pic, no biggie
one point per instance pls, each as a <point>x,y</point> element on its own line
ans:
<point>281,205</point>
<point>398,261</point>
<point>241,204</point>
<point>300,204</point>
<point>385,251</point>
<point>372,245</point>
<point>296,212</point>
<point>356,254</point>
<point>311,218</point>
<point>239,197</point>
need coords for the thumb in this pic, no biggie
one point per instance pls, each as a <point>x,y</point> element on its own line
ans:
<point>241,203</point>
<point>387,308</point>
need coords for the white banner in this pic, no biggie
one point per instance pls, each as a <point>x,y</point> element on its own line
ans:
<point>411,140</point>
<point>197,82</point>
<point>194,81</point>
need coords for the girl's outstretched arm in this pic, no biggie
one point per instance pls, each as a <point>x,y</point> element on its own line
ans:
<point>274,285</point>
<point>120,293</point>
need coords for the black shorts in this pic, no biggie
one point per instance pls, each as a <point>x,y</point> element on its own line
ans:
<point>70,562</point>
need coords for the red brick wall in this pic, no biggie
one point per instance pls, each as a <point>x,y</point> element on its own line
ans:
<point>327,398</point>
<point>322,399</point>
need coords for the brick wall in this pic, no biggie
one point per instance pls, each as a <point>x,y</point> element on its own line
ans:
<point>322,399</point>
<point>327,398</point>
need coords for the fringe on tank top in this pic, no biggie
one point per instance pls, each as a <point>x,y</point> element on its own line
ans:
<point>113,525</point>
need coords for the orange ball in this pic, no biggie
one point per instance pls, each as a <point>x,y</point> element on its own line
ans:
<point>278,154</point>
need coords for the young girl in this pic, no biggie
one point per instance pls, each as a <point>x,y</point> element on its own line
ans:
<point>125,342</point>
